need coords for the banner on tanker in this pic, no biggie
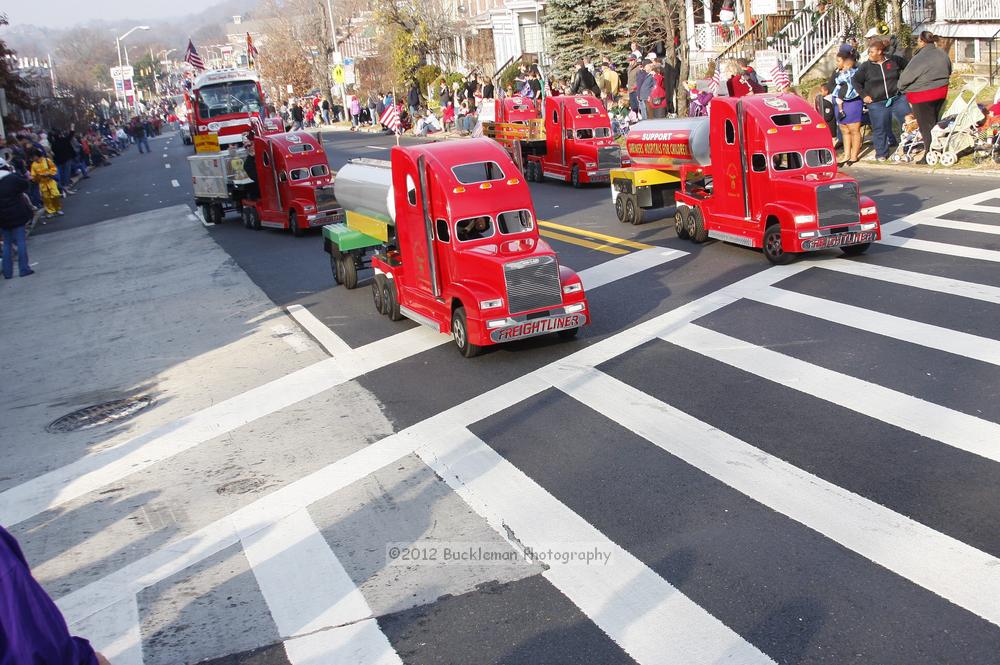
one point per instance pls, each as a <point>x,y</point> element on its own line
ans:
<point>206,143</point>
<point>764,63</point>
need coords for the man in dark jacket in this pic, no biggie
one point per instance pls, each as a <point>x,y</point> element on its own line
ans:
<point>413,99</point>
<point>298,115</point>
<point>63,155</point>
<point>876,82</point>
<point>584,82</point>
<point>15,213</point>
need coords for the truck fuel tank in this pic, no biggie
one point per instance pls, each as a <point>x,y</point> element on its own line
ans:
<point>668,144</point>
<point>364,186</point>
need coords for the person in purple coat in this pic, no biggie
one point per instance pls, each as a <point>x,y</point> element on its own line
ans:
<point>32,630</point>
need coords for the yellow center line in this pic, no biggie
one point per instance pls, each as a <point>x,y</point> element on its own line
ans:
<point>583,243</point>
<point>597,236</point>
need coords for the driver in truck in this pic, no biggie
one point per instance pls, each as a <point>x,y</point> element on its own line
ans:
<point>250,167</point>
<point>476,228</point>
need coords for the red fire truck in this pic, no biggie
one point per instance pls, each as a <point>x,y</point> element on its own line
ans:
<point>759,171</point>
<point>572,142</point>
<point>228,102</point>
<point>294,183</point>
<point>456,245</point>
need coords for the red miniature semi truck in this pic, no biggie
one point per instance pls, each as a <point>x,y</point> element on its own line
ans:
<point>454,245</point>
<point>759,171</point>
<point>572,142</point>
<point>294,183</point>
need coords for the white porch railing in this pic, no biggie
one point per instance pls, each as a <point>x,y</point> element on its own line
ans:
<point>968,10</point>
<point>826,32</point>
<point>713,37</point>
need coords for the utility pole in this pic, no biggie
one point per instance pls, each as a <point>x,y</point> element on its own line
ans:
<point>336,49</point>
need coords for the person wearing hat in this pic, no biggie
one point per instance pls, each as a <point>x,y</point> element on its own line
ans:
<point>15,213</point>
<point>632,81</point>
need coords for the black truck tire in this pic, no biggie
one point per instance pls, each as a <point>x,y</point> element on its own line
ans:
<point>349,271</point>
<point>460,333</point>
<point>772,249</point>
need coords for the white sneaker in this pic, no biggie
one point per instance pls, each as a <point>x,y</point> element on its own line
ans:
<point>60,213</point>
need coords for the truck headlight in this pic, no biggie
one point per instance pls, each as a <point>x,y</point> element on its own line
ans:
<point>574,308</point>
<point>805,219</point>
<point>308,208</point>
<point>808,234</point>
<point>868,226</point>
<point>590,165</point>
<point>573,288</point>
<point>869,210</point>
<point>491,304</point>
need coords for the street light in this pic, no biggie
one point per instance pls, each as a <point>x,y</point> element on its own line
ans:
<point>118,42</point>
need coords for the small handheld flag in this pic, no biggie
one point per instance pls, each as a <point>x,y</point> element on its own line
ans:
<point>779,77</point>
<point>251,52</point>
<point>390,118</point>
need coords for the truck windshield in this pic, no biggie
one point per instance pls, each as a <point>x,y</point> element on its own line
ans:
<point>475,228</point>
<point>596,132</point>
<point>516,221</point>
<point>224,98</point>
<point>786,161</point>
<point>786,119</point>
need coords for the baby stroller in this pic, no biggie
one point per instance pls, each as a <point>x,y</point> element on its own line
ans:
<point>987,146</point>
<point>910,143</point>
<point>949,139</point>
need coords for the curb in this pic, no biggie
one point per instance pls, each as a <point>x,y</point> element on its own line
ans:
<point>971,172</point>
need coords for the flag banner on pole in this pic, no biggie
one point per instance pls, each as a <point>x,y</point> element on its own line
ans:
<point>251,52</point>
<point>716,83</point>
<point>779,77</point>
<point>192,58</point>
<point>390,118</point>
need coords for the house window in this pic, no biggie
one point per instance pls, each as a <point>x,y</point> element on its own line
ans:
<point>965,50</point>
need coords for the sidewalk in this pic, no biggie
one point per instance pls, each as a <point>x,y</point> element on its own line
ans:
<point>146,305</point>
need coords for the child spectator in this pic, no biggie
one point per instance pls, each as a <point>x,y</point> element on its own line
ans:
<point>44,172</point>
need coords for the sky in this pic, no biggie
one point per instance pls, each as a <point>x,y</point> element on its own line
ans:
<point>65,13</point>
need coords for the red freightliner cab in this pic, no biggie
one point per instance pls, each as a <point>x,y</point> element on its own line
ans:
<point>465,257</point>
<point>577,147</point>
<point>295,185</point>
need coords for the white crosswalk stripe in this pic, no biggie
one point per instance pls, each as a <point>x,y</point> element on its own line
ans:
<point>933,217</point>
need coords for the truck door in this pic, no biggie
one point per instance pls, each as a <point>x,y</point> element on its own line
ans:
<point>415,229</point>
<point>729,170</point>
<point>554,126</point>
<point>266,176</point>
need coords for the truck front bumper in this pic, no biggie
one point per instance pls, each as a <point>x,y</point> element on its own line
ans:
<point>817,239</point>
<point>323,218</point>
<point>501,329</point>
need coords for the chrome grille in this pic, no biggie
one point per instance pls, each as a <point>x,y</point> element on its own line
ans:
<point>325,199</point>
<point>837,204</point>
<point>532,284</point>
<point>609,157</point>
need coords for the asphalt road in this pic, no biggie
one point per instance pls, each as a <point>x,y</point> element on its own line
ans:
<point>797,465</point>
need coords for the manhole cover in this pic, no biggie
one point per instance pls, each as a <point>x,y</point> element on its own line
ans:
<point>100,414</point>
<point>241,486</point>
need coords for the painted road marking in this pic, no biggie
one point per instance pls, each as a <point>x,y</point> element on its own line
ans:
<point>957,225</point>
<point>362,643</point>
<point>167,165</point>
<point>106,466</point>
<point>653,621</point>
<point>614,240</point>
<point>376,147</point>
<point>583,242</point>
<point>174,183</point>
<point>952,287</point>
<point>307,590</point>
<point>915,332</point>
<point>92,604</point>
<point>948,567</point>
<point>319,331</point>
<point>927,419</point>
<point>971,202</point>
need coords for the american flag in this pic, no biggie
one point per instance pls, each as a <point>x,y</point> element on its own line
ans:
<point>779,77</point>
<point>716,82</point>
<point>526,91</point>
<point>251,51</point>
<point>390,118</point>
<point>192,57</point>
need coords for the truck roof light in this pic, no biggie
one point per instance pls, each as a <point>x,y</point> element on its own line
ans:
<point>772,130</point>
<point>458,190</point>
<point>797,128</point>
<point>485,185</point>
<point>513,181</point>
<point>821,125</point>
